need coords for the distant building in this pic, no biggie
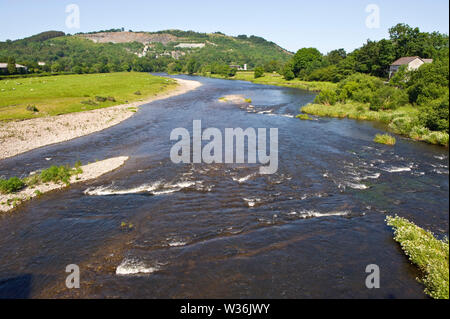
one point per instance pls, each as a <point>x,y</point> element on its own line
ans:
<point>4,67</point>
<point>41,63</point>
<point>239,68</point>
<point>412,63</point>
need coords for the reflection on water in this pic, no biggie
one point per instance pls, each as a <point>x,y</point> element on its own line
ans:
<point>219,230</point>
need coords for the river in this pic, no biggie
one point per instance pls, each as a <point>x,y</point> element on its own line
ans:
<point>225,231</point>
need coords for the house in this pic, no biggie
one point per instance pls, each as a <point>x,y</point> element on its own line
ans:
<point>41,63</point>
<point>412,63</point>
<point>20,68</point>
<point>239,68</point>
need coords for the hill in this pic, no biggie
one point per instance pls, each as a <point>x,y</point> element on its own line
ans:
<point>117,50</point>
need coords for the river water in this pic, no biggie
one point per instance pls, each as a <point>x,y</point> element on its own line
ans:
<point>225,231</point>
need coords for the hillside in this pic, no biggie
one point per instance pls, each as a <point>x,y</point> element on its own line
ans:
<point>140,51</point>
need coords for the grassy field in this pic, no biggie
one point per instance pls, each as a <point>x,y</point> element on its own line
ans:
<point>36,97</point>
<point>401,121</point>
<point>278,80</point>
<point>425,251</point>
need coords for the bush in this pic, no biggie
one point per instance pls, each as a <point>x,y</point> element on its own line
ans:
<point>327,74</point>
<point>56,174</point>
<point>327,97</point>
<point>435,115</point>
<point>289,75</point>
<point>403,125</point>
<point>358,87</point>
<point>12,185</point>
<point>32,108</point>
<point>259,72</point>
<point>388,98</point>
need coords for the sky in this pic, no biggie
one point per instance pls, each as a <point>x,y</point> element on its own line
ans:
<point>293,24</point>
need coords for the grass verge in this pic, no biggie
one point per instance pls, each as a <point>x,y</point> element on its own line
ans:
<point>27,98</point>
<point>425,251</point>
<point>400,121</point>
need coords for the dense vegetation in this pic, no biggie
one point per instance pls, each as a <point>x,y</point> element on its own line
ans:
<point>373,58</point>
<point>413,103</point>
<point>425,251</point>
<point>75,54</point>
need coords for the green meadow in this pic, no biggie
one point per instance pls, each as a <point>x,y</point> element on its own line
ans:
<point>26,98</point>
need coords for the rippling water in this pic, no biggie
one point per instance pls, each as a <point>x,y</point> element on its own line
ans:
<point>220,231</point>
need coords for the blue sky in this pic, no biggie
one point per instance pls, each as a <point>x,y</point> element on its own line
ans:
<point>293,24</point>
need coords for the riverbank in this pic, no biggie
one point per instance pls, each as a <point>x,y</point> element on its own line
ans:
<point>400,121</point>
<point>85,173</point>
<point>277,80</point>
<point>17,137</point>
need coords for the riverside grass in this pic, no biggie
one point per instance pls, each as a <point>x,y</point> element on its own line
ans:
<point>55,174</point>
<point>425,251</point>
<point>278,80</point>
<point>400,121</point>
<point>385,139</point>
<point>56,95</point>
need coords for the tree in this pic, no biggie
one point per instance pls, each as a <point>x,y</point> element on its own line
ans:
<point>192,66</point>
<point>336,56</point>
<point>12,65</point>
<point>305,59</point>
<point>287,72</point>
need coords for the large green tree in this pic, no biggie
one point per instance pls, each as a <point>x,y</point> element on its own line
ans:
<point>306,59</point>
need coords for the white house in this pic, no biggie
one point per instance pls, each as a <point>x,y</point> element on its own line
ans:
<point>412,63</point>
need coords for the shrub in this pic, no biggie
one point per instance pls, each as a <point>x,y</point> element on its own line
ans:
<point>435,114</point>
<point>12,185</point>
<point>385,139</point>
<point>32,108</point>
<point>403,125</point>
<point>56,174</point>
<point>388,98</point>
<point>327,97</point>
<point>259,72</point>
<point>358,87</point>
